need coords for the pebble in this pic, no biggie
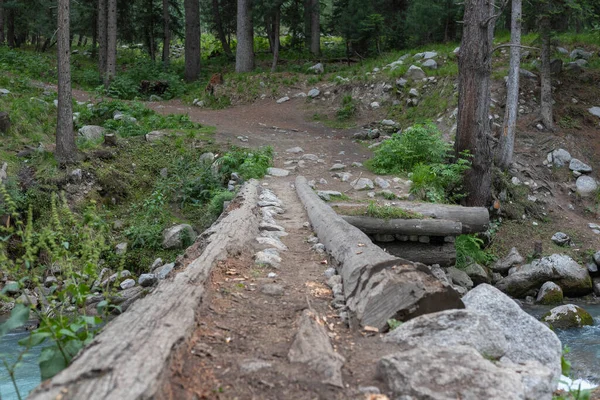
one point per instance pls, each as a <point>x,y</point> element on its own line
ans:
<point>283,100</point>
<point>127,284</point>
<point>272,289</point>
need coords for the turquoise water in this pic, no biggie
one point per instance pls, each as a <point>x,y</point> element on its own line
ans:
<point>27,373</point>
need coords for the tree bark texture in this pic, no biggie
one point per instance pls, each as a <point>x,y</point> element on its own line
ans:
<point>506,145</point>
<point>111,42</point>
<point>546,78</point>
<point>315,28</point>
<point>276,44</point>
<point>473,125</point>
<point>1,22</point>
<point>10,28</point>
<point>102,36</point>
<point>167,33</point>
<point>192,40</point>
<point>219,28</point>
<point>423,227</point>
<point>130,358</point>
<point>66,149</point>
<point>442,254</point>
<point>244,54</point>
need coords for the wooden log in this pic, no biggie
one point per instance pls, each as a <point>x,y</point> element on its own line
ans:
<point>473,219</point>
<point>129,359</point>
<point>427,253</point>
<point>377,285</point>
<point>4,122</point>
<point>426,227</point>
<point>110,139</point>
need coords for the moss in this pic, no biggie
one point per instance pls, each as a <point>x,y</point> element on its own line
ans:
<point>552,297</point>
<point>567,316</point>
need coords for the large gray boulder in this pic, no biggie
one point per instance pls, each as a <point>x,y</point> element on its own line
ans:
<point>452,328</point>
<point>567,316</point>
<point>478,274</point>
<point>512,259</point>
<point>586,185</point>
<point>92,132</point>
<point>559,157</point>
<point>178,236</point>
<point>550,294</point>
<point>561,269</point>
<point>528,339</point>
<point>415,73</point>
<point>450,373</point>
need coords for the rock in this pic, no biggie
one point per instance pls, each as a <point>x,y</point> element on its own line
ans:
<point>251,366</point>
<point>513,258</point>
<point>560,269</point>
<point>413,92</point>
<point>162,272</point>
<point>311,346</point>
<point>314,93</point>
<point>268,258</point>
<point>401,82</point>
<point>431,64</point>
<point>265,226</point>
<point>178,237</point>
<point>337,167</point>
<point>579,166</point>
<point>362,184</point>
<point>451,328</point>
<point>382,183</point>
<point>326,194</point>
<point>156,135</point>
<point>375,105</point>
<point>278,172</point>
<point>295,150</point>
<point>429,54</point>
<point>388,122</point>
<point>207,158</point>
<point>580,54</point>
<point>550,294</point>
<point>567,316</point>
<point>459,277</point>
<point>527,74</point>
<point>561,239</point>
<point>592,268</point>
<point>147,280</point>
<point>317,68</point>
<point>478,274</point>
<point>329,272</point>
<point>121,249</point>
<point>595,111</point>
<point>460,372</point>
<point>92,132</point>
<point>528,339</point>
<point>50,281</point>
<point>283,100</point>
<point>4,92</point>
<point>272,289</point>
<point>415,73</point>
<point>156,264</point>
<point>559,157</point>
<point>127,284</point>
<point>272,242</point>
<point>586,186</point>
<point>562,50</point>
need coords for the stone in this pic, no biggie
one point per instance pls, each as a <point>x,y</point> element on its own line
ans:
<point>415,73</point>
<point>451,328</point>
<point>207,158</point>
<point>478,274</point>
<point>266,226</point>
<point>567,316</point>
<point>562,50</point>
<point>317,68</point>
<point>595,111</point>
<point>314,93</point>
<point>586,186</point>
<point>561,239</point>
<point>295,150</point>
<point>592,268</point>
<point>558,268</point>
<point>310,157</point>
<point>337,167</point>
<point>512,259</point>
<point>326,194</point>
<point>528,339</point>
<point>127,284</point>
<point>334,281</point>
<point>388,122</point>
<point>147,280</point>
<point>580,54</point>
<point>268,258</point>
<point>362,184</point>
<point>527,74</point>
<point>329,272</point>
<point>4,92</point>
<point>430,64</point>
<point>401,82</point>
<point>156,135</point>
<point>413,92</point>
<point>375,105</point>
<point>283,100</point>
<point>156,264</point>
<point>278,172</point>
<point>272,242</point>
<point>459,277</point>
<point>251,366</point>
<point>162,272</point>
<point>550,294</point>
<point>429,54</point>
<point>91,132</point>
<point>50,281</point>
<point>579,166</point>
<point>272,289</point>
<point>382,183</point>
<point>121,249</point>
<point>178,237</point>
<point>559,157</point>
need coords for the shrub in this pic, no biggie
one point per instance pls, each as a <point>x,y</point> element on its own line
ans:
<point>469,249</point>
<point>348,108</point>
<point>439,183</point>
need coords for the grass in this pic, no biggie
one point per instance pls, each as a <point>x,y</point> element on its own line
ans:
<point>376,211</point>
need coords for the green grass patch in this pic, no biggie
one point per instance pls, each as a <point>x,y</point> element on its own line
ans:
<point>376,211</point>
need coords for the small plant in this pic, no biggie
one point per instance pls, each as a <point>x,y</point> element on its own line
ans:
<point>469,249</point>
<point>439,183</point>
<point>348,108</point>
<point>383,212</point>
<point>393,323</point>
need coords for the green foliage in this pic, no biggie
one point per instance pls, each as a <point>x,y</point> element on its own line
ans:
<point>248,163</point>
<point>439,183</point>
<point>219,198</point>
<point>393,323</point>
<point>469,249</point>
<point>376,211</point>
<point>127,85</point>
<point>348,108</point>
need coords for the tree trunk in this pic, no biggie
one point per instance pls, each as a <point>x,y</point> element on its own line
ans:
<point>546,90</point>
<point>410,227</point>
<point>506,146</point>
<point>442,254</point>
<point>167,33</point>
<point>269,31</point>
<point>244,54</point>
<point>219,28</point>
<point>1,22</point>
<point>473,126</point>
<point>276,44</point>
<point>150,31</point>
<point>307,23</point>
<point>79,40</point>
<point>111,42</point>
<point>315,28</point>
<point>192,40</point>
<point>10,28</point>
<point>66,149</point>
<point>102,37</point>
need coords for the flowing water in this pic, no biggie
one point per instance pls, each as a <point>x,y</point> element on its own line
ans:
<point>27,371</point>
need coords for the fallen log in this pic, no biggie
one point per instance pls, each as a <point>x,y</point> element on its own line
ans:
<point>426,253</point>
<point>473,219</point>
<point>129,359</point>
<point>377,285</point>
<point>425,227</point>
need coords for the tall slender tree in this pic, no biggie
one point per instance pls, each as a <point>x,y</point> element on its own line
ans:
<point>1,22</point>
<point>192,40</point>
<point>102,11</point>
<point>546,79</point>
<point>111,42</point>
<point>506,145</point>
<point>244,55</point>
<point>66,149</point>
<point>315,27</point>
<point>276,29</point>
<point>166,33</point>
<point>473,126</point>
<point>219,28</point>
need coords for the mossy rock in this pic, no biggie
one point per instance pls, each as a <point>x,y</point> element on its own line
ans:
<point>550,294</point>
<point>567,316</point>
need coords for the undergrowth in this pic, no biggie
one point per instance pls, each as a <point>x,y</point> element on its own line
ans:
<point>469,249</point>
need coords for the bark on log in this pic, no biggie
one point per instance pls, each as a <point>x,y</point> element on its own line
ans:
<point>4,122</point>
<point>130,357</point>
<point>473,219</point>
<point>377,285</point>
<point>425,227</point>
<point>110,139</point>
<point>426,253</point>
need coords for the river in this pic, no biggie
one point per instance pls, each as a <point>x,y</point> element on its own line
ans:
<point>27,372</point>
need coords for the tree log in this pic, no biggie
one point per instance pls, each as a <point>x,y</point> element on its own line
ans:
<point>130,357</point>
<point>473,219</point>
<point>425,227</point>
<point>377,285</point>
<point>4,122</point>
<point>426,253</point>
<point>110,139</point>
